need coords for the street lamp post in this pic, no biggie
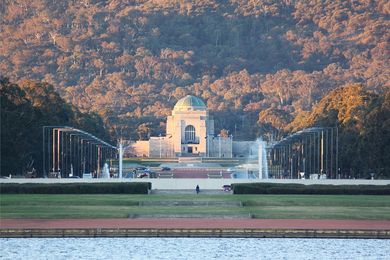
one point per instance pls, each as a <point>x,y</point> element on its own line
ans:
<point>231,146</point>
<point>207,145</point>
<point>337,150</point>
<point>43,154</point>
<point>120,158</point>
<point>219,146</point>
<point>322,152</point>
<point>160,144</point>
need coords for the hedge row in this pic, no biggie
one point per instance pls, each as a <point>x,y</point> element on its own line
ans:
<point>276,188</point>
<point>77,188</point>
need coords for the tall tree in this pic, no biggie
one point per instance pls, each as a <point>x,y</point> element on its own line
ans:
<point>25,109</point>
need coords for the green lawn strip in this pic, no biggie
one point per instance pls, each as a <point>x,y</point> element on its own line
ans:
<point>316,200</point>
<point>357,213</point>
<point>260,206</point>
<point>85,211</point>
<point>57,212</point>
<point>108,198</point>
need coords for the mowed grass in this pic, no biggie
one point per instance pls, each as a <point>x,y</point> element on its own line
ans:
<point>48,206</point>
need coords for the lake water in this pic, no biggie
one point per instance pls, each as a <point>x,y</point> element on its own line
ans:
<point>192,248</point>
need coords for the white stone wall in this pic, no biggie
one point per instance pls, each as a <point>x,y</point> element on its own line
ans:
<point>161,147</point>
<point>229,148</point>
<point>139,149</point>
<point>220,147</point>
<point>154,147</point>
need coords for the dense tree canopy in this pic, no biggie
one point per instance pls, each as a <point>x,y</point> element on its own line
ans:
<point>264,67</point>
<point>363,119</point>
<point>25,108</point>
<point>130,61</point>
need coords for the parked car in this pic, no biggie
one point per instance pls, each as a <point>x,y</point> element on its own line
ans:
<point>141,168</point>
<point>165,168</point>
<point>142,175</point>
<point>227,187</point>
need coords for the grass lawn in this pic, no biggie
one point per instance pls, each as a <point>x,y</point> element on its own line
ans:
<point>259,206</point>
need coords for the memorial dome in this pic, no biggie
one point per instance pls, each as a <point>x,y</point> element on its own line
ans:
<point>190,103</point>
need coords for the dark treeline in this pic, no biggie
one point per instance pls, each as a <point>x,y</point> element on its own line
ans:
<point>363,119</point>
<point>25,108</point>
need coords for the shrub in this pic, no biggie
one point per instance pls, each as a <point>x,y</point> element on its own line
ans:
<point>76,188</point>
<point>277,188</point>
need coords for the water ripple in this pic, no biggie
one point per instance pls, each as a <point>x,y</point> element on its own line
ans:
<point>192,248</point>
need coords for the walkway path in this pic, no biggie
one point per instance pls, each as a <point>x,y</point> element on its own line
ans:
<point>196,224</point>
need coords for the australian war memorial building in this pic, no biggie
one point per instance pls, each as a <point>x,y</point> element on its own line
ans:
<point>190,132</point>
<point>190,126</point>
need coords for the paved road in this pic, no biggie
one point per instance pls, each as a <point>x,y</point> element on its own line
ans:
<point>197,223</point>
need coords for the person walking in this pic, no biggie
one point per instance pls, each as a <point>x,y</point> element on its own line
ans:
<point>197,189</point>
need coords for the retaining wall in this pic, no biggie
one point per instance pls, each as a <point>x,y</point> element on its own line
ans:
<point>180,232</point>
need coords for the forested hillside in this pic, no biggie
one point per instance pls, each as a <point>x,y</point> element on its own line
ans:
<point>261,62</point>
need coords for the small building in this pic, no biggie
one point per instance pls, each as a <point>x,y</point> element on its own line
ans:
<point>190,132</point>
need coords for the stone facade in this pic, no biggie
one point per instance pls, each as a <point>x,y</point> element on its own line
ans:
<point>220,147</point>
<point>161,147</point>
<point>139,149</point>
<point>188,126</point>
<point>190,132</point>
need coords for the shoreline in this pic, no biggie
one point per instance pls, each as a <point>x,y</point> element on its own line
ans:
<point>206,228</point>
<point>192,233</point>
